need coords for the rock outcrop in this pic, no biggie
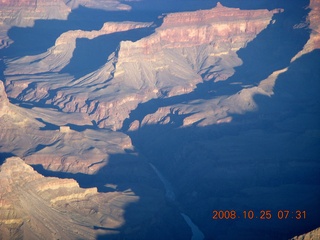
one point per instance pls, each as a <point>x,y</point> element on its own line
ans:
<point>212,111</point>
<point>314,24</point>
<point>313,235</point>
<point>58,57</point>
<point>24,13</point>
<point>182,88</point>
<point>34,134</point>
<point>79,152</point>
<point>12,115</point>
<point>4,102</point>
<point>187,49</point>
<point>37,207</point>
<point>172,61</point>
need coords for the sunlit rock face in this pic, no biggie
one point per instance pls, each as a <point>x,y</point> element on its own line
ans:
<point>187,49</point>
<point>314,25</point>
<point>313,235</point>
<point>29,203</point>
<point>57,58</point>
<point>209,97</point>
<point>24,13</point>
<point>24,132</point>
<point>231,26</point>
<point>3,98</point>
<point>11,115</point>
<point>38,207</point>
<point>28,11</point>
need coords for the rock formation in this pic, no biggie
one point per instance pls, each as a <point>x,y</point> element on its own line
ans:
<point>214,111</point>
<point>313,235</point>
<point>24,13</point>
<point>59,56</point>
<point>314,25</point>
<point>187,49</point>
<point>208,97</point>
<point>37,207</point>
<point>11,115</point>
<point>24,131</point>
<point>4,102</point>
<point>30,10</point>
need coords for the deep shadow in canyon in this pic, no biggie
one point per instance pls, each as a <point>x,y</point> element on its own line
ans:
<point>266,159</point>
<point>270,51</point>
<point>90,55</point>
<point>4,156</point>
<point>148,218</point>
<point>38,38</point>
<point>263,160</point>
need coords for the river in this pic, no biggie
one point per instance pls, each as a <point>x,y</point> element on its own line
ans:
<point>171,197</point>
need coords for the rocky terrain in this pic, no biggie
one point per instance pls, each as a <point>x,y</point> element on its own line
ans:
<point>201,47</point>
<point>138,119</point>
<point>313,235</point>
<point>38,207</point>
<point>36,132</point>
<point>24,13</point>
<point>67,146</point>
<point>313,20</point>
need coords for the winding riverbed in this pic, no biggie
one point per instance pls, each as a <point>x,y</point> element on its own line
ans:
<point>171,197</point>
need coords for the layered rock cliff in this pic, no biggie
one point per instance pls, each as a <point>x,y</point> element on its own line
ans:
<point>211,111</point>
<point>50,64</point>
<point>35,134</point>
<point>37,207</point>
<point>175,85</point>
<point>24,13</point>
<point>11,115</point>
<point>314,24</point>
<point>187,49</point>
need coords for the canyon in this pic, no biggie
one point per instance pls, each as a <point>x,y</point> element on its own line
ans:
<point>138,119</point>
<point>142,67</point>
<point>37,207</point>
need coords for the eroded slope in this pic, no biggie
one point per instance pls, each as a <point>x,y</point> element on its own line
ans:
<point>170,62</point>
<point>35,134</point>
<point>37,207</point>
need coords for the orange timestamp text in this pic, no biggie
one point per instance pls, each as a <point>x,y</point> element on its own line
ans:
<point>261,214</point>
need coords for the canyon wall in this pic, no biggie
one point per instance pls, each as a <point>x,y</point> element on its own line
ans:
<point>38,207</point>
<point>35,135</point>
<point>24,13</point>
<point>187,49</point>
<point>314,24</point>
<point>209,97</point>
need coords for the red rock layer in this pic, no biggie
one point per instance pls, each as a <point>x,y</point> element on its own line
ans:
<point>314,24</point>
<point>187,49</point>
<point>188,29</point>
